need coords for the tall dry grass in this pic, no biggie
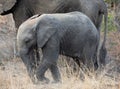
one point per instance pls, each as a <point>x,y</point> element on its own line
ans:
<point>13,75</point>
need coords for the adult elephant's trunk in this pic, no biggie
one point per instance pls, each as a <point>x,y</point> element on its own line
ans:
<point>105,28</point>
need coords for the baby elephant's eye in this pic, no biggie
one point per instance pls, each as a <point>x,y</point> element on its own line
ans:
<point>27,40</point>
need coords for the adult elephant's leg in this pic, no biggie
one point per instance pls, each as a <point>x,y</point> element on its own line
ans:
<point>103,54</point>
<point>50,57</point>
<point>16,53</point>
<point>96,58</point>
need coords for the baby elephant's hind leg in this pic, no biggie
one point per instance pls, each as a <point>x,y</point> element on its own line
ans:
<point>89,60</point>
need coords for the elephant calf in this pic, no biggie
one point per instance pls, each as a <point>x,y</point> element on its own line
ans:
<point>70,34</point>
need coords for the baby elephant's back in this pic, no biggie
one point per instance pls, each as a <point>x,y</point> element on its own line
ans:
<point>74,20</point>
<point>74,30</point>
<point>75,23</point>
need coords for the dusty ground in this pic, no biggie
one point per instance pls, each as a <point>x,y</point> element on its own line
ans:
<point>13,73</point>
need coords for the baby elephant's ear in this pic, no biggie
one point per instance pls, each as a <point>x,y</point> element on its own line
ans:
<point>44,34</point>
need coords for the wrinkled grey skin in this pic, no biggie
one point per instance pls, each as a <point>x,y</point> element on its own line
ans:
<point>23,9</point>
<point>71,34</point>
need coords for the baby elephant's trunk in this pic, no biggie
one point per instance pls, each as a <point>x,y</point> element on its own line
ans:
<point>37,56</point>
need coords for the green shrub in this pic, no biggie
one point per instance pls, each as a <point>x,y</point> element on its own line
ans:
<point>110,25</point>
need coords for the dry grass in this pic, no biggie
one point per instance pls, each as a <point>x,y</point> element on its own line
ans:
<point>13,75</point>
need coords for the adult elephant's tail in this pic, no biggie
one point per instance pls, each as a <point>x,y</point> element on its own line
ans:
<point>105,27</point>
<point>103,50</point>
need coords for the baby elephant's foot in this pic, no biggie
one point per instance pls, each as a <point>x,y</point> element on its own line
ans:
<point>34,81</point>
<point>43,80</point>
<point>56,82</point>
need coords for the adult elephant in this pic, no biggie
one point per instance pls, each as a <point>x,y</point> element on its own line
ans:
<point>23,9</point>
<point>71,34</point>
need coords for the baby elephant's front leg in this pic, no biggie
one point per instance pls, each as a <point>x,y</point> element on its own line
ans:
<point>50,57</point>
